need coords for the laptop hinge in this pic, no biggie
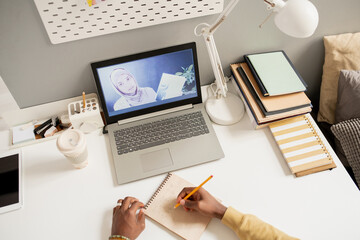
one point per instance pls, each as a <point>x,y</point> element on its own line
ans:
<point>154,114</point>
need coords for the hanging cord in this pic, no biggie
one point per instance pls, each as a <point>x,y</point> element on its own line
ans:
<point>270,6</point>
<point>266,19</point>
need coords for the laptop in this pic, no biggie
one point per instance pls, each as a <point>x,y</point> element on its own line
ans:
<point>154,113</point>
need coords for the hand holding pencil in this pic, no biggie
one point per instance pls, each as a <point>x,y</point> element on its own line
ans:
<point>202,202</point>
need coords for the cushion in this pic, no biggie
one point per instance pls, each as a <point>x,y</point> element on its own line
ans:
<point>341,52</point>
<point>348,133</point>
<point>348,102</point>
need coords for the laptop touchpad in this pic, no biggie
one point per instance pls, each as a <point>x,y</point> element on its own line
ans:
<point>156,160</point>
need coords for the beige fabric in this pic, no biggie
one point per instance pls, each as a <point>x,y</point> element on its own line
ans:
<point>341,52</point>
<point>249,227</point>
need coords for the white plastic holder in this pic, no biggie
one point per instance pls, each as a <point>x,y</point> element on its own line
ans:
<point>88,118</point>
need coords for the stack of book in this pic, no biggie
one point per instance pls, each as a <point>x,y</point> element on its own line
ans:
<point>270,87</point>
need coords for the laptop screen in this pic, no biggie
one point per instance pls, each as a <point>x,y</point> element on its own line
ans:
<point>142,83</point>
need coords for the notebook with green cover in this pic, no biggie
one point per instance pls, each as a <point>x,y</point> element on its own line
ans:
<point>276,73</point>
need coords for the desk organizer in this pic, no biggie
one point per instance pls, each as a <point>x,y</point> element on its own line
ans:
<point>69,20</point>
<point>87,118</point>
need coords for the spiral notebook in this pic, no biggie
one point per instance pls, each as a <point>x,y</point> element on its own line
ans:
<point>301,146</point>
<point>160,208</point>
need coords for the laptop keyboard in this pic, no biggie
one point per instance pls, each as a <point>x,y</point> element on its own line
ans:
<point>160,132</point>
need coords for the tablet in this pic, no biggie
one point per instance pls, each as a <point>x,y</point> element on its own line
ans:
<point>11,181</point>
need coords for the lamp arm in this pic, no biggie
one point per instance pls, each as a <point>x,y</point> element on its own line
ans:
<point>223,15</point>
<point>207,32</point>
<point>220,79</point>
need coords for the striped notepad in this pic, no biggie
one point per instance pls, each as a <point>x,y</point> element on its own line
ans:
<point>300,144</point>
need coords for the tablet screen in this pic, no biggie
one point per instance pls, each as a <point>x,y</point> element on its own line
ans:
<point>9,179</point>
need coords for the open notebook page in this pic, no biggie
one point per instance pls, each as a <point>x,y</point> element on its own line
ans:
<point>188,225</point>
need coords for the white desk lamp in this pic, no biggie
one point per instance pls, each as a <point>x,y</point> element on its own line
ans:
<point>296,18</point>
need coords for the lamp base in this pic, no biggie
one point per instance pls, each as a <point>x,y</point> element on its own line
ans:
<point>225,110</point>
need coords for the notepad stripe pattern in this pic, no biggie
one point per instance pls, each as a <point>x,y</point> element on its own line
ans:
<point>300,144</point>
<point>302,149</point>
<point>313,159</point>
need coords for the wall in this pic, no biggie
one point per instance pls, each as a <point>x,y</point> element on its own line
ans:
<point>37,72</point>
<point>7,103</point>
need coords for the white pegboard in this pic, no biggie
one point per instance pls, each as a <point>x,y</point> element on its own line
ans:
<point>69,20</point>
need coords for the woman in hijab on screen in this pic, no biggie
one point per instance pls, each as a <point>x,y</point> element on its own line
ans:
<point>131,94</point>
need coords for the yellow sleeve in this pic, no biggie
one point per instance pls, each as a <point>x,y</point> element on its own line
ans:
<point>249,227</point>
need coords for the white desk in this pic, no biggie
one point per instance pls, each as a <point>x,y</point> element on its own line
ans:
<point>61,202</point>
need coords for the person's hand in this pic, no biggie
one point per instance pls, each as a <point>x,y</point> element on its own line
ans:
<point>202,202</point>
<point>125,220</point>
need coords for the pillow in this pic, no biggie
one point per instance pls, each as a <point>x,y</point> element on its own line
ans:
<point>348,102</point>
<point>341,52</point>
<point>348,133</point>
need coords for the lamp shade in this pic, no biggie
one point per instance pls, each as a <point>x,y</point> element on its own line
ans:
<point>297,18</point>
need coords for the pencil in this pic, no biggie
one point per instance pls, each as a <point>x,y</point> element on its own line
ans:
<point>195,190</point>
<point>83,94</point>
